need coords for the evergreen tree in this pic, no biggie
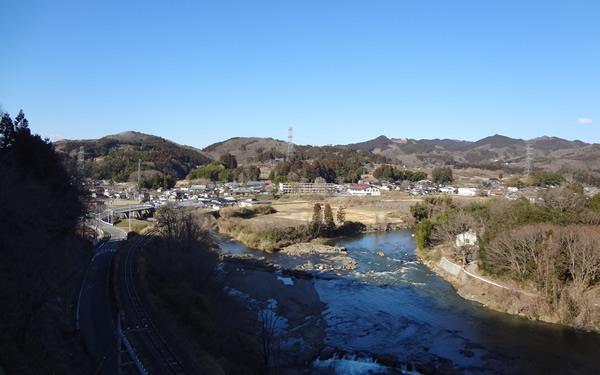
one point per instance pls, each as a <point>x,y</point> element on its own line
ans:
<point>229,161</point>
<point>41,259</point>
<point>341,215</point>
<point>328,223</point>
<point>317,220</point>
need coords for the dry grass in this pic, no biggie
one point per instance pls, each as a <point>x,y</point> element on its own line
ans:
<point>392,207</point>
<point>137,226</point>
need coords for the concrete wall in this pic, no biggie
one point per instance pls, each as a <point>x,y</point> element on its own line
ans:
<point>450,267</point>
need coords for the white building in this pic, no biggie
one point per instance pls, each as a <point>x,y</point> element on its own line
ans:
<point>466,238</point>
<point>471,192</point>
<point>363,190</point>
<point>447,190</point>
<point>306,188</point>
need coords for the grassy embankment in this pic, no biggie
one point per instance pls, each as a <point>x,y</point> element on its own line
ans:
<point>265,235</point>
<point>287,221</point>
<point>545,255</point>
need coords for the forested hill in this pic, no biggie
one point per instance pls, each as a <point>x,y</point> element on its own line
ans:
<point>162,161</point>
<point>547,153</point>
<point>116,157</point>
<point>248,149</point>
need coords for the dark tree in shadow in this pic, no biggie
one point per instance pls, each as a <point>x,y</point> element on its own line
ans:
<point>41,260</point>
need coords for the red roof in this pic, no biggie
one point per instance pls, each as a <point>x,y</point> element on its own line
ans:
<point>359,187</point>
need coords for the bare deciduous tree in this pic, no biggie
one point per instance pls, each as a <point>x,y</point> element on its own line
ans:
<point>581,249</point>
<point>183,229</point>
<point>266,335</point>
<point>518,251</point>
<point>459,222</point>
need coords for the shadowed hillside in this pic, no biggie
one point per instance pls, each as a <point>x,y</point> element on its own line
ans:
<point>42,261</point>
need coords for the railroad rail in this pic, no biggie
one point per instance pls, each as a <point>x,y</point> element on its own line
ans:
<point>143,322</point>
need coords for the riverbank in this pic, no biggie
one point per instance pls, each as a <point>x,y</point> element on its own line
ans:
<point>288,222</point>
<point>276,232</point>
<point>497,295</point>
<point>289,300</point>
<point>283,299</point>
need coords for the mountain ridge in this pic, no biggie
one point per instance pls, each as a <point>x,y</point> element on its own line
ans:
<point>550,153</point>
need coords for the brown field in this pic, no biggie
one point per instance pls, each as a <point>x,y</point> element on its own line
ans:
<point>371,211</point>
<point>390,207</point>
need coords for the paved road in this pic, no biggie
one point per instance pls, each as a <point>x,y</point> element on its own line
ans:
<point>94,313</point>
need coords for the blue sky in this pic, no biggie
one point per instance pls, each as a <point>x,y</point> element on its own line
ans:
<point>338,72</point>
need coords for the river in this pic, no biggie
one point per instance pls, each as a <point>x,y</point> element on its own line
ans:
<point>394,304</point>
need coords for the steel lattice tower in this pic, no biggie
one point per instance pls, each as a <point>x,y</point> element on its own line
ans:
<point>528,160</point>
<point>290,145</point>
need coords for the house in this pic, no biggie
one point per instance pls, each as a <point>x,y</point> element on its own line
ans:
<point>363,189</point>
<point>306,188</point>
<point>466,238</point>
<point>447,189</point>
<point>467,191</point>
<point>255,185</point>
<point>496,192</point>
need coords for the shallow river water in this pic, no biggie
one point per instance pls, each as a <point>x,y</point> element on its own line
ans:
<point>394,304</point>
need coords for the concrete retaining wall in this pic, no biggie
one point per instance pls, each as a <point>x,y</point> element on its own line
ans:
<point>450,267</point>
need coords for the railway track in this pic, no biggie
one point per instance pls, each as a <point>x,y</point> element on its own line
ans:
<point>142,320</point>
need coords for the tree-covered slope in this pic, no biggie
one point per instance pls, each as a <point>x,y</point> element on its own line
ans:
<point>42,261</point>
<point>116,156</point>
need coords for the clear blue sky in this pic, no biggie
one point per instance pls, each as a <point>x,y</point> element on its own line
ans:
<point>338,72</point>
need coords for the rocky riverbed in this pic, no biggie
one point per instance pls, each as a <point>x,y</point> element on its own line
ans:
<point>287,299</point>
<point>323,257</point>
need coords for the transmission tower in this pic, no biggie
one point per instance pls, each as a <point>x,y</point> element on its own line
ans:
<point>290,145</point>
<point>528,159</point>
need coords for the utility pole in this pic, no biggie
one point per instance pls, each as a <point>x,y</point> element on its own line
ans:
<point>81,161</point>
<point>139,164</point>
<point>129,218</point>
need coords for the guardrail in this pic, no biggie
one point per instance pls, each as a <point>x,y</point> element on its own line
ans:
<point>129,348</point>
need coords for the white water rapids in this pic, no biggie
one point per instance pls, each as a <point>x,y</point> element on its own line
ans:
<point>392,304</point>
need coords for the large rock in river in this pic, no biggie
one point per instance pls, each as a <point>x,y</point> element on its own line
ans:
<point>312,248</point>
<point>325,257</point>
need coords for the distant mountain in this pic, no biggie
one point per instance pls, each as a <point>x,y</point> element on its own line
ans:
<point>549,153</point>
<point>116,156</point>
<point>248,149</point>
<point>497,141</point>
<point>554,144</point>
<point>447,144</point>
<point>379,143</point>
<point>496,151</point>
